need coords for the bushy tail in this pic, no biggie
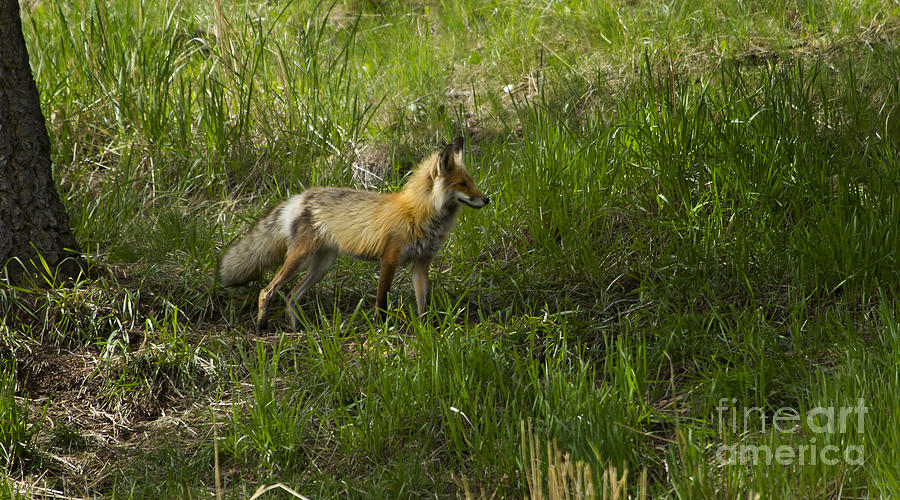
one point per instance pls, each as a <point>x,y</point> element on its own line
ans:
<point>249,257</point>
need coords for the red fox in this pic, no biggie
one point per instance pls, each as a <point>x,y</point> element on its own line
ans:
<point>316,226</point>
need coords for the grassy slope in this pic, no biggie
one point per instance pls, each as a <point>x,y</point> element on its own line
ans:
<point>691,203</point>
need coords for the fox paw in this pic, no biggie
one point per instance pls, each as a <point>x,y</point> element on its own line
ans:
<point>261,327</point>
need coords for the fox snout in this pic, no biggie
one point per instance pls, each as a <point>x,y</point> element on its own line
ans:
<point>473,201</point>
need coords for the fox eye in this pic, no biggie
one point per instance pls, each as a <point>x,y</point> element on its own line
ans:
<point>461,184</point>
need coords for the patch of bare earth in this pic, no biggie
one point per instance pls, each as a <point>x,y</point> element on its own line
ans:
<point>89,430</point>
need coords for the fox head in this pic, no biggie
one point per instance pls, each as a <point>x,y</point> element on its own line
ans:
<point>451,175</point>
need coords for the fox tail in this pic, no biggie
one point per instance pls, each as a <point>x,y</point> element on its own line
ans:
<point>261,249</point>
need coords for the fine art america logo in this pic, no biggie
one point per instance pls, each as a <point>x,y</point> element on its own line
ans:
<point>820,421</point>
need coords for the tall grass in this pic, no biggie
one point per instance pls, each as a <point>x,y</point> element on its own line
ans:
<point>693,204</point>
<point>18,427</point>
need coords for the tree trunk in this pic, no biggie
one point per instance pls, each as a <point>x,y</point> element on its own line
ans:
<point>32,217</point>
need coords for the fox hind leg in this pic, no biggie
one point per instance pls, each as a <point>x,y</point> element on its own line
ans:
<point>319,264</point>
<point>297,254</point>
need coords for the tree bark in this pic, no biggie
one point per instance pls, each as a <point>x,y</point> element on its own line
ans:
<point>32,218</point>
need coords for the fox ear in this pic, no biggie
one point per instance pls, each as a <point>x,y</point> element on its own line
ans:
<point>458,144</point>
<point>450,155</point>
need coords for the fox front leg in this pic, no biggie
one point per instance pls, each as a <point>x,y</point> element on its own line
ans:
<point>385,277</point>
<point>420,283</point>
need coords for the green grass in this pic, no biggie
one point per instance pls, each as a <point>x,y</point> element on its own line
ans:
<point>691,204</point>
<point>18,428</point>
